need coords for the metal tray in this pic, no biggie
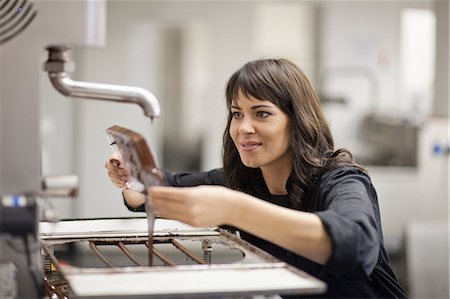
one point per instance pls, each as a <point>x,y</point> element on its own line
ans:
<point>192,262</point>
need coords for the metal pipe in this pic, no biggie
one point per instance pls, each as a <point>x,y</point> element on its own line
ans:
<point>59,65</point>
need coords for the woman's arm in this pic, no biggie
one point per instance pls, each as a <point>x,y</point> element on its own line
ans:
<point>133,198</point>
<point>300,232</point>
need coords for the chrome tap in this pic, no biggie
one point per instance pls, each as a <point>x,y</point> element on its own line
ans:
<point>59,65</point>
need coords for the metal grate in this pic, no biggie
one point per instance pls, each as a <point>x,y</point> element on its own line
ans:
<point>204,262</point>
<point>122,245</point>
<point>56,285</point>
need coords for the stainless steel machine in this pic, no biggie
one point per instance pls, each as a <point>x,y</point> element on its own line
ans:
<point>24,33</point>
<point>189,262</point>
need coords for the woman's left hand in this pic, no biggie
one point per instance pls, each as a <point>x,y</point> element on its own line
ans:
<point>200,206</point>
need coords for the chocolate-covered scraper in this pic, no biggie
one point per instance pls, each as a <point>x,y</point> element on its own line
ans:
<point>143,169</point>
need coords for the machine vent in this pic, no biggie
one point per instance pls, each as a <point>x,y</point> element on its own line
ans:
<point>15,16</point>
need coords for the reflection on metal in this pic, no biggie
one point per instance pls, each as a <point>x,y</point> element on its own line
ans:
<point>178,270</point>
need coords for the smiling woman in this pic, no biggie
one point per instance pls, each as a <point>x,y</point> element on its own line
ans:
<point>284,186</point>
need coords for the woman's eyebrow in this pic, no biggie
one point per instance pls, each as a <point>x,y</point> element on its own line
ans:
<point>262,106</point>
<point>253,107</point>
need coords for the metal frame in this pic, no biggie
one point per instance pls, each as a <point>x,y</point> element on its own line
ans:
<point>257,272</point>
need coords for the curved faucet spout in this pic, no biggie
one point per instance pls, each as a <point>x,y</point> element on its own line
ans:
<point>58,65</point>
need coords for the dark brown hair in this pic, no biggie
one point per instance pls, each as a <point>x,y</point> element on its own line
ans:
<point>284,84</point>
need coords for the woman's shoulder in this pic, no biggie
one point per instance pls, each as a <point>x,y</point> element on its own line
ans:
<point>340,172</point>
<point>334,183</point>
<point>341,175</point>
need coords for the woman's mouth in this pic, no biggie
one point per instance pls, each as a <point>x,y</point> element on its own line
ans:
<point>250,146</point>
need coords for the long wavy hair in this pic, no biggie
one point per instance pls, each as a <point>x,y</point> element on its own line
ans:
<point>311,144</point>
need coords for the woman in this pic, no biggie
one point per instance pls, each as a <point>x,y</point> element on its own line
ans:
<point>284,186</point>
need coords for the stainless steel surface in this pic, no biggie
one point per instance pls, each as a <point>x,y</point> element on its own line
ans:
<point>58,65</point>
<point>24,34</point>
<point>19,244</point>
<point>8,284</point>
<point>119,244</point>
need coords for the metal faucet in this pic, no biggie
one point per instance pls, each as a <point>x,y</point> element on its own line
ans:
<point>59,65</point>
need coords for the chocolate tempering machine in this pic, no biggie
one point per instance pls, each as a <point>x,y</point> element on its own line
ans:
<point>122,257</point>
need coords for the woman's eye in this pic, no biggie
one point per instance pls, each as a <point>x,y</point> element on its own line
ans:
<point>236,114</point>
<point>263,114</point>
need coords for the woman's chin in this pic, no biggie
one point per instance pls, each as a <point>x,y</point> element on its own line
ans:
<point>251,164</point>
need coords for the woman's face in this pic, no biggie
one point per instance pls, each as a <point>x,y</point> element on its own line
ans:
<point>261,133</point>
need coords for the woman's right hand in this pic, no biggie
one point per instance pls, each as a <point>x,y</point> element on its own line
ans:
<point>117,172</point>
<point>119,176</point>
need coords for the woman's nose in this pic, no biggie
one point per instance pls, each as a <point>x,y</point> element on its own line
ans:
<point>246,126</point>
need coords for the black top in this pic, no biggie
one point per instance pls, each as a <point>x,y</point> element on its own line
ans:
<point>346,202</point>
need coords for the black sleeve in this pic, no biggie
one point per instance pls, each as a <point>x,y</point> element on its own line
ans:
<point>351,218</point>
<point>188,179</point>
<point>196,178</point>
